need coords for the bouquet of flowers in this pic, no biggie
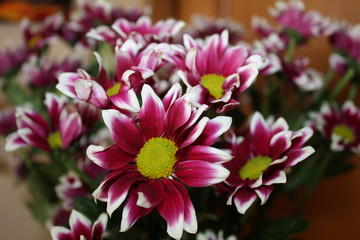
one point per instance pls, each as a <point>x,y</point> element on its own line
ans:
<point>170,131</point>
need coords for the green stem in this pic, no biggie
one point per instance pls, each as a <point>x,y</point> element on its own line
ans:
<point>319,94</point>
<point>352,93</point>
<point>290,49</point>
<point>342,83</point>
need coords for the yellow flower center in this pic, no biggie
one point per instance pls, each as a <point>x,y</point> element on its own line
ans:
<point>156,158</point>
<point>345,133</point>
<point>113,90</point>
<point>254,167</point>
<point>213,83</point>
<point>55,140</point>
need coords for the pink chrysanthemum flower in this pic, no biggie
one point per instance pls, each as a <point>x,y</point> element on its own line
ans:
<point>211,235</point>
<point>44,72</point>
<point>122,29</point>
<point>165,145</point>
<point>67,123</point>
<point>135,66</point>
<point>260,160</point>
<point>292,15</point>
<point>303,77</point>
<point>81,228</point>
<point>91,14</point>
<point>340,126</point>
<point>214,72</point>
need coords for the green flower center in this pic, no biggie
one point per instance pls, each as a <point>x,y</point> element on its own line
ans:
<point>55,140</point>
<point>345,133</point>
<point>213,83</point>
<point>156,158</point>
<point>113,90</point>
<point>254,167</point>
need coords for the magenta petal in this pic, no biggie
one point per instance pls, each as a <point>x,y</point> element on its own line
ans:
<point>206,153</point>
<point>213,130</point>
<point>126,100</point>
<point>70,127</point>
<point>102,190</point>
<point>173,94</point>
<point>248,74</point>
<point>297,155</point>
<point>171,208</point>
<point>119,190</point>
<point>109,158</point>
<point>32,139</point>
<point>150,194</point>
<point>197,173</point>
<point>66,83</point>
<point>243,199</point>
<point>55,105</point>
<point>264,192</point>
<point>79,225</point>
<point>260,134</point>
<point>177,115</point>
<point>99,227</point>
<point>123,131</point>
<point>132,213</point>
<point>279,143</point>
<point>190,221</point>
<point>60,233</point>
<point>13,142</point>
<point>152,113</point>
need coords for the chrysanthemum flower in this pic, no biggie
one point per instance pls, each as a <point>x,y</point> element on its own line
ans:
<point>346,39</point>
<point>303,77</point>
<point>65,126</point>
<point>44,72</point>
<point>135,63</point>
<point>81,228</point>
<point>292,15</point>
<point>211,235</point>
<point>260,160</point>
<point>123,29</point>
<point>215,73</point>
<point>164,145</point>
<point>340,126</point>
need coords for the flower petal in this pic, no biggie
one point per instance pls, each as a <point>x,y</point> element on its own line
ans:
<point>60,233</point>
<point>152,113</point>
<point>243,199</point>
<point>213,130</point>
<point>196,173</point>
<point>123,131</point>
<point>206,153</point>
<point>109,158</point>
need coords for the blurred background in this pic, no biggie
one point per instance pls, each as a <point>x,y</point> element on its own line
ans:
<point>333,210</point>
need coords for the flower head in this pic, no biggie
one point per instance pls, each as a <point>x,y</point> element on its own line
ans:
<point>163,147</point>
<point>65,126</point>
<point>215,73</point>
<point>340,126</point>
<point>260,160</point>
<point>81,228</point>
<point>292,15</point>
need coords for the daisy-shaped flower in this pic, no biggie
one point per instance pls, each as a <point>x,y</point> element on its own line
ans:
<point>136,65</point>
<point>292,15</point>
<point>81,228</point>
<point>65,126</point>
<point>161,31</point>
<point>215,73</point>
<point>43,72</point>
<point>165,146</point>
<point>260,160</point>
<point>340,126</point>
